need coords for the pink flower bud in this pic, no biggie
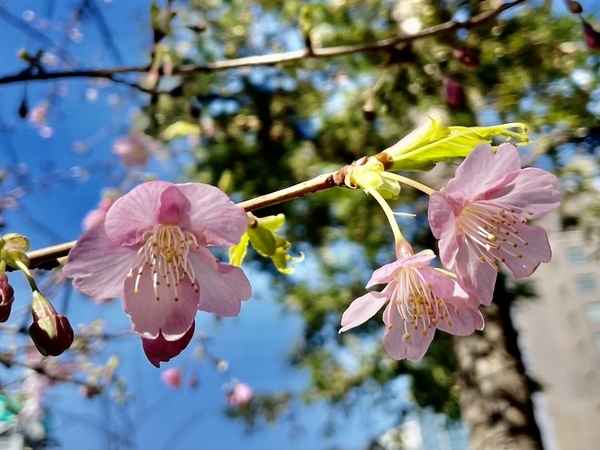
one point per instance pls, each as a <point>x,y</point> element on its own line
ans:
<point>467,57</point>
<point>590,36</point>
<point>172,377</point>
<point>7,297</point>
<point>241,394</point>
<point>51,332</point>
<point>453,92</point>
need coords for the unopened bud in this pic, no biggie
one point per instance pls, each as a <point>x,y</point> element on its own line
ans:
<point>591,36</point>
<point>51,332</point>
<point>368,110</point>
<point>453,92</point>
<point>575,7</point>
<point>7,297</point>
<point>466,56</point>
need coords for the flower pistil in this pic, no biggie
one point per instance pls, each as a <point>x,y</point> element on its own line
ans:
<point>165,250</point>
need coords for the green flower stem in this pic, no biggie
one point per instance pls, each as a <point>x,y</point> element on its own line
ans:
<point>388,213</point>
<point>409,181</point>
<point>28,275</point>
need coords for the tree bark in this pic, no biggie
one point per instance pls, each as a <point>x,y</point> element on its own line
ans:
<point>495,391</point>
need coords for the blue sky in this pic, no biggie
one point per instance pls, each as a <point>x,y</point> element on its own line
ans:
<point>58,186</point>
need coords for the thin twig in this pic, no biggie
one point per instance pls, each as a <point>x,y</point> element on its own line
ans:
<point>272,59</point>
<point>8,360</point>
<point>47,258</point>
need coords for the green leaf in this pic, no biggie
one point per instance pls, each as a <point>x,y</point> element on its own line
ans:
<point>432,142</point>
<point>237,253</point>
<point>263,240</point>
<point>180,129</point>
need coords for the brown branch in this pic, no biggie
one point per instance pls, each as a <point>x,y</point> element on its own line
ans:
<point>47,258</point>
<point>273,59</point>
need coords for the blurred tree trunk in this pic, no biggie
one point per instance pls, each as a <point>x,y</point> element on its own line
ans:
<point>495,392</point>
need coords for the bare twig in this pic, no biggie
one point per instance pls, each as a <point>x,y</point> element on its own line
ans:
<point>272,59</point>
<point>47,258</point>
<point>8,360</point>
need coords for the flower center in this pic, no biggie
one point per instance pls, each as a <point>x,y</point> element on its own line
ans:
<point>418,306</point>
<point>165,251</point>
<point>490,231</point>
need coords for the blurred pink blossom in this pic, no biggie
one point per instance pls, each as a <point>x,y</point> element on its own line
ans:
<point>172,377</point>
<point>135,149</point>
<point>97,216</point>
<point>240,395</point>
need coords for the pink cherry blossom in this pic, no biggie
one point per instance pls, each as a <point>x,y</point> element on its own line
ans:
<point>481,218</point>
<point>419,299</point>
<point>152,251</point>
<point>240,395</point>
<point>98,215</point>
<point>134,149</point>
<point>172,377</point>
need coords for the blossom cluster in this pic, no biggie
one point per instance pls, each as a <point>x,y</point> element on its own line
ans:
<point>481,219</point>
<point>150,247</point>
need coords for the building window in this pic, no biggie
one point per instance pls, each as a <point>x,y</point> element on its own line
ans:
<point>577,255</point>
<point>592,311</point>
<point>586,283</point>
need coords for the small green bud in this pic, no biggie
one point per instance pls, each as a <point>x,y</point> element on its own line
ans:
<point>51,332</point>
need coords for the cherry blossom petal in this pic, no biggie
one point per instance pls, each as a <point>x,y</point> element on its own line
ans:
<point>394,339</point>
<point>386,273</point>
<point>172,313</point>
<point>160,350</point>
<point>463,321</point>
<point>446,288</point>
<point>442,221</point>
<point>537,250</point>
<point>483,169</point>
<point>222,222</point>
<point>172,206</point>
<point>362,309</point>
<point>534,190</point>
<point>476,277</point>
<point>99,266</point>
<point>135,213</point>
<point>222,286</point>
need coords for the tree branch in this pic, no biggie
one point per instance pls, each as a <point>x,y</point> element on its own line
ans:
<point>47,258</point>
<point>272,59</point>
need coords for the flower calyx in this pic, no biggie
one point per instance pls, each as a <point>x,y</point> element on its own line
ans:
<point>261,235</point>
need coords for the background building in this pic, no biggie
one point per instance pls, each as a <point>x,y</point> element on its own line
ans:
<point>560,339</point>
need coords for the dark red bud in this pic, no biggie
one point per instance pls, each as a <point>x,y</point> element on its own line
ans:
<point>467,57</point>
<point>368,110</point>
<point>575,7</point>
<point>51,332</point>
<point>453,92</point>
<point>590,36</point>
<point>7,297</point>
<point>23,108</point>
